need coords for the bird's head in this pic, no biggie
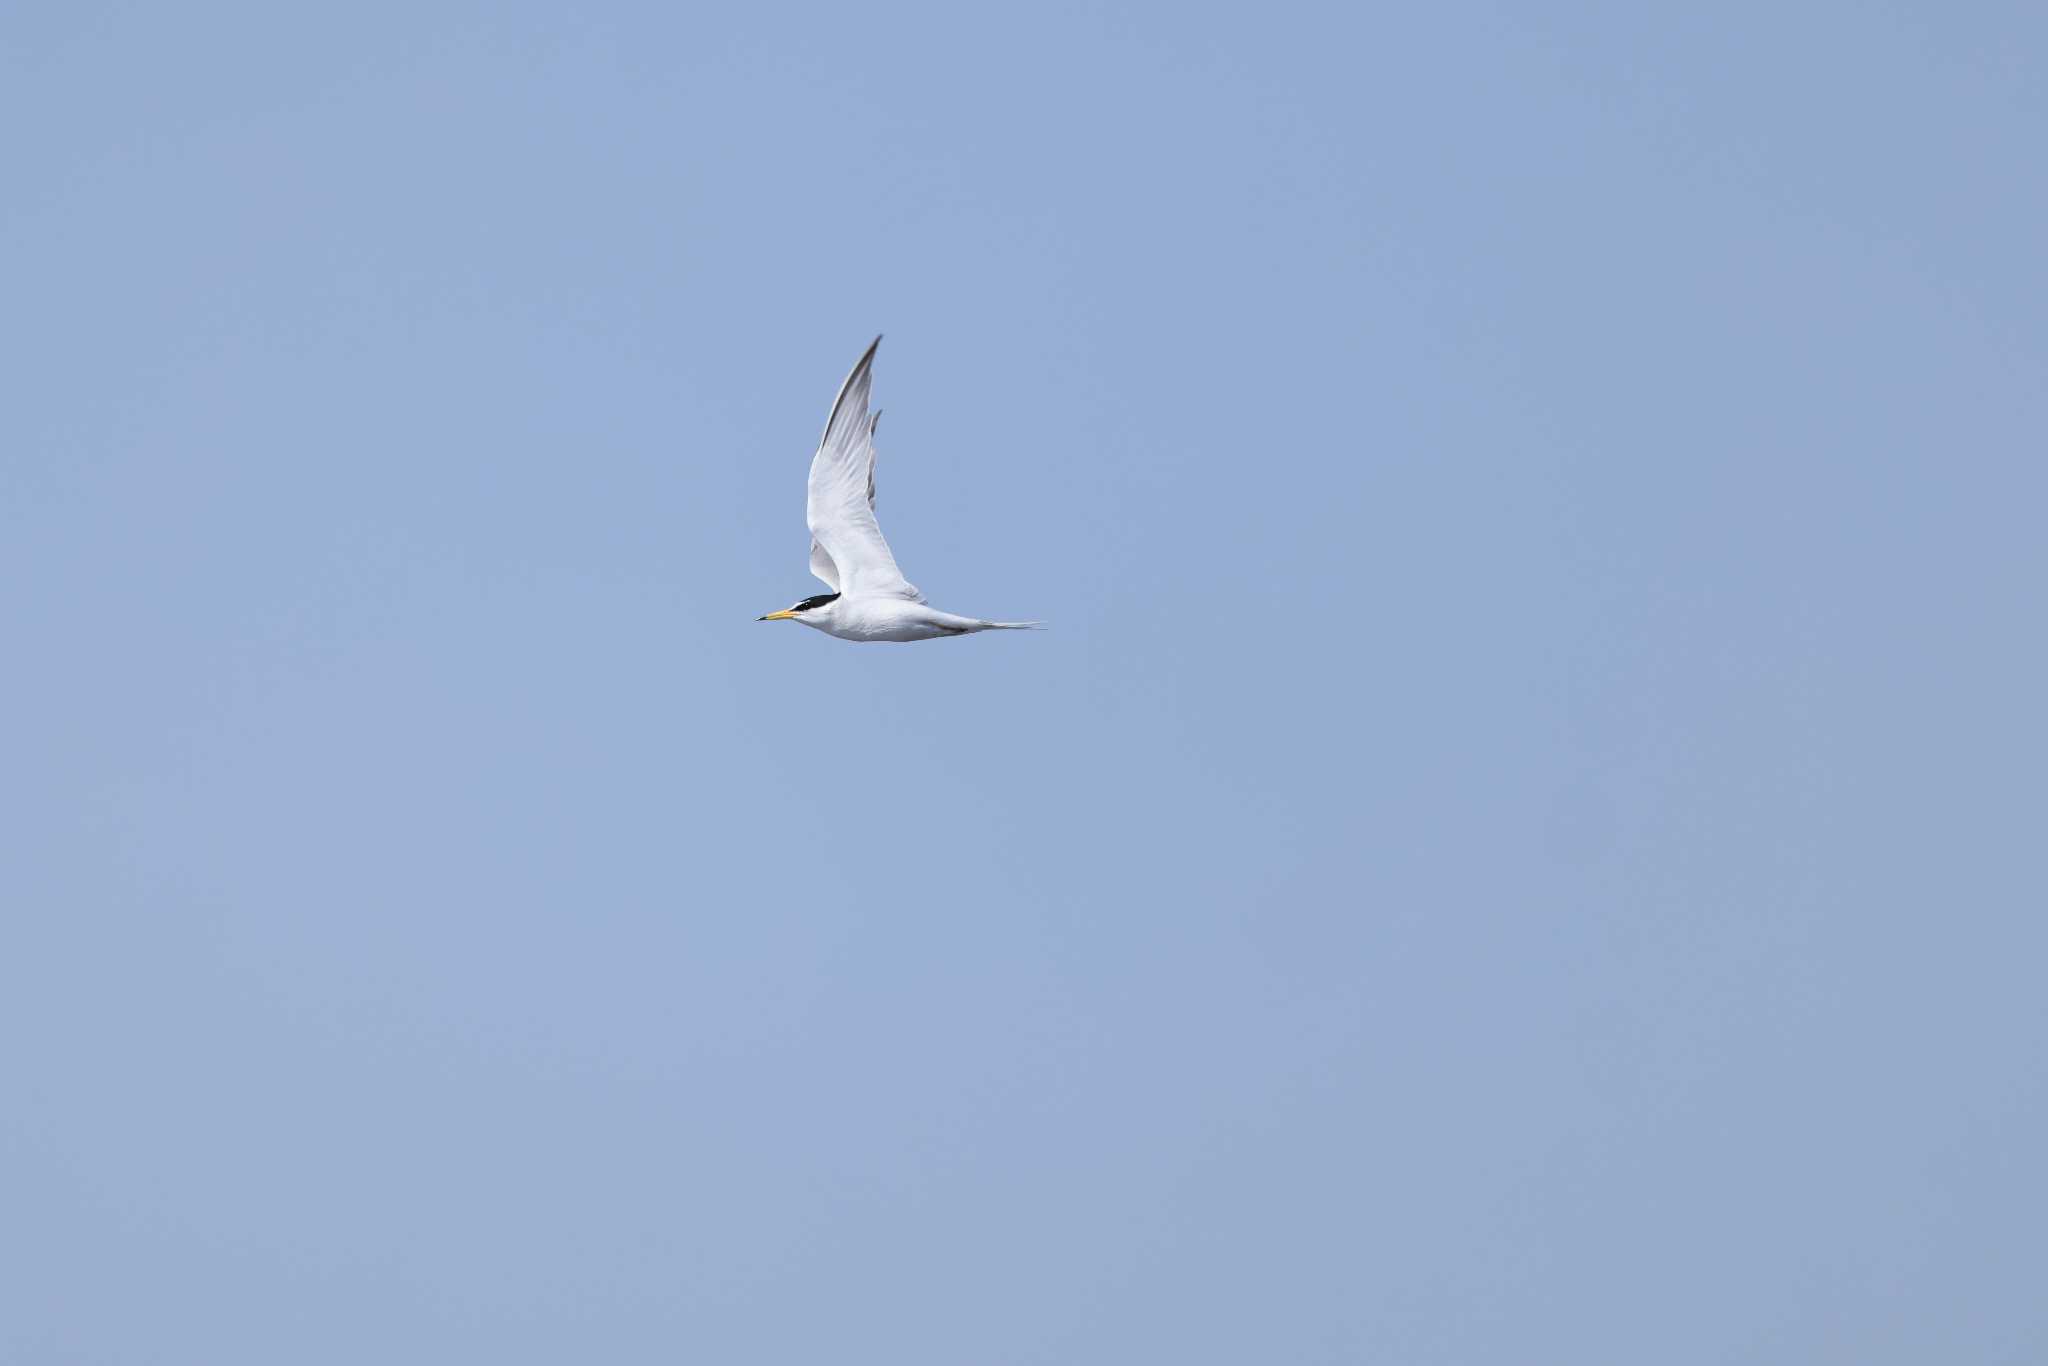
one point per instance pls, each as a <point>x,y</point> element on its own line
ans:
<point>812,610</point>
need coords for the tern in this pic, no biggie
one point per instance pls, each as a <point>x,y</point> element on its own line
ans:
<point>870,598</point>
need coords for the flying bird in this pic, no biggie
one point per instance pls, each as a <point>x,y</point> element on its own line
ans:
<point>870,598</point>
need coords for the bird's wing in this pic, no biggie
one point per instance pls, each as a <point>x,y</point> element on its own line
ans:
<point>845,538</point>
<point>822,566</point>
<point>821,563</point>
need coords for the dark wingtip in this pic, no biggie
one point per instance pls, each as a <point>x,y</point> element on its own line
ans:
<point>867,358</point>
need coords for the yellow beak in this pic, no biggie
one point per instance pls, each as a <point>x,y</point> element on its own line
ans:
<point>778,616</point>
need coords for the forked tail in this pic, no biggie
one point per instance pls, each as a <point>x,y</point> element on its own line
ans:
<point>1009,626</point>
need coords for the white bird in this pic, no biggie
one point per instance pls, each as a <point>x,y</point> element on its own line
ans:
<point>870,598</point>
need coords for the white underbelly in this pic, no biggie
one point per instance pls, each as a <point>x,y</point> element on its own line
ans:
<point>893,619</point>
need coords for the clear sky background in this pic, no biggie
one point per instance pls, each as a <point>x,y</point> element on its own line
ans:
<point>1523,842</point>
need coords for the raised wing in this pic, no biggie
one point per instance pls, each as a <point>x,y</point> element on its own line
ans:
<point>847,549</point>
<point>821,563</point>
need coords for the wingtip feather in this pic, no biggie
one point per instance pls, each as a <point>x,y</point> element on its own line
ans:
<point>860,367</point>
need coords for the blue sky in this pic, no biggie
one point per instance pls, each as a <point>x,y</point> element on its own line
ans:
<point>1522,843</point>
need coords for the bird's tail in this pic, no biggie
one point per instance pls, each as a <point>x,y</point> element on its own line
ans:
<point>1009,625</point>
